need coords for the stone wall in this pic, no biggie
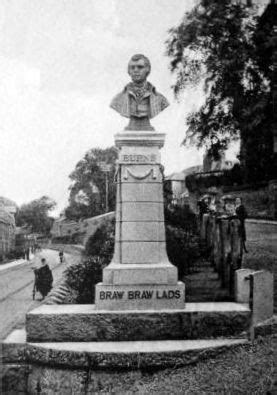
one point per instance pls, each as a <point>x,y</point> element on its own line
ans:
<point>87,227</point>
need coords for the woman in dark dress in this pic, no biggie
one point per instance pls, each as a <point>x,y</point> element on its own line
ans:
<point>44,278</point>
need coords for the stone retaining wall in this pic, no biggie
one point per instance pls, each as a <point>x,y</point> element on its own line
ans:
<point>88,226</point>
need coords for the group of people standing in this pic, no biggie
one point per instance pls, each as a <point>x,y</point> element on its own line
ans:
<point>28,250</point>
<point>207,205</point>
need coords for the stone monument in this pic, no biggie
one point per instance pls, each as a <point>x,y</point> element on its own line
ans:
<point>140,275</point>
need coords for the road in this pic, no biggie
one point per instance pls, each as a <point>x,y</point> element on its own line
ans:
<point>16,285</point>
<point>262,246</point>
<point>262,236</point>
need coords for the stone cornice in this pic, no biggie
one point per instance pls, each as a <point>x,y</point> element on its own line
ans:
<point>139,138</point>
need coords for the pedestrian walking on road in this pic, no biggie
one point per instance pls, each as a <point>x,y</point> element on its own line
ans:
<point>61,256</point>
<point>44,278</point>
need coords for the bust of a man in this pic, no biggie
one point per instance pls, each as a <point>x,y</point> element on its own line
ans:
<point>139,100</point>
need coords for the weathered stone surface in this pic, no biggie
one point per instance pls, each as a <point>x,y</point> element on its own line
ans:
<point>145,140</point>
<point>80,368</point>
<point>145,154</point>
<point>141,211</point>
<point>82,323</point>
<point>13,347</point>
<point>140,297</point>
<point>141,252</point>
<point>261,300</point>
<point>14,379</point>
<point>267,327</point>
<point>127,355</point>
<point>242,285</point>
<point>146,173</point>
<point>160,273</point>
<point>140,231</point>
<point>147,193</point>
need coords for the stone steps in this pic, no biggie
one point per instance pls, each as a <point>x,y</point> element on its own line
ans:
<point>114,355</point>
<point>57,295</point>
<point>205,285</point>
<point>82,323</point>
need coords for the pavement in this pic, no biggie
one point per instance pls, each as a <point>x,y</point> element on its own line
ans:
<point>17,262</point>
<point>16,286</point>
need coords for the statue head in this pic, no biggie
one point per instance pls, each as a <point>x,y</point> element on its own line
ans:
<point>139,68</point>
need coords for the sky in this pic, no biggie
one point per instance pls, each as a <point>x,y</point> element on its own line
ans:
<point>61,63</point>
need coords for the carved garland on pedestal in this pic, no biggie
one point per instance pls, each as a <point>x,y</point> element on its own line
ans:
<point>140,176</point>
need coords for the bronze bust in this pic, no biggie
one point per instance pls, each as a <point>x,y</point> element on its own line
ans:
<point>139,100</point>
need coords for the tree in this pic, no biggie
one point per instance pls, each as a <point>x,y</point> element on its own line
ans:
<point>88,188</point>
<point>36,214</point>
<point>217,43</point>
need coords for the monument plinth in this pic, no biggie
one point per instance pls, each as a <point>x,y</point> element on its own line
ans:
<point>140,275</point>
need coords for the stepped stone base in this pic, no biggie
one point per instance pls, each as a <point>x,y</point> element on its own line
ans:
<point>82,323</point>
<point>139,297</point>
<point>129,274</point>
<point>96,367</point>
<point>112,355</point>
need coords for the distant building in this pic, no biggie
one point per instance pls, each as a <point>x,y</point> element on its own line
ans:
<point>176,184</point>
<point>64,227</point>
<point>7,226</point>
<point>85,228</point>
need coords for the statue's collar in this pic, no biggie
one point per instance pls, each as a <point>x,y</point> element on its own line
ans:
<point>149,87</point>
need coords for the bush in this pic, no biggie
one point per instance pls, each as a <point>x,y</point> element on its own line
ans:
<point>101,243</point>
<point>182,238</point>
<point>61,239</point>
<point>203,181</point>
<point>74,238</point>
<point>181,217</point>
<point>83,277</point>
<point>182,249</point>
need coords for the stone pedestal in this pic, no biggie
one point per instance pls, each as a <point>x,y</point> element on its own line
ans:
<point>140,273</point>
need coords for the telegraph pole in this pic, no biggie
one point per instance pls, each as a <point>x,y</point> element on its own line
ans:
<point>106,168</point>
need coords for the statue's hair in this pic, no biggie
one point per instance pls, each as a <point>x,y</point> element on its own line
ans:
<point>137,57</point>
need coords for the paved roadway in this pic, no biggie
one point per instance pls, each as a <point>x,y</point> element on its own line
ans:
<point>16,285</point>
